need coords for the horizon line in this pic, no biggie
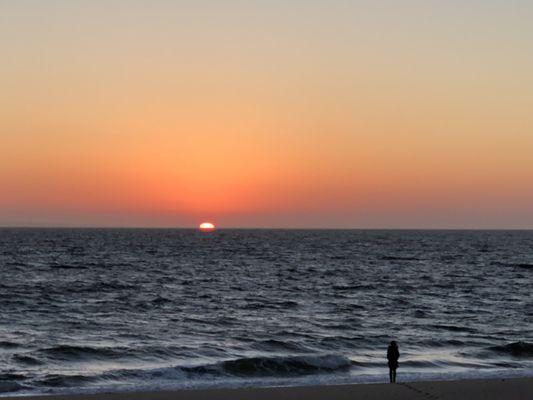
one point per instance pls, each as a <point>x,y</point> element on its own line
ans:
<point>261,228</point>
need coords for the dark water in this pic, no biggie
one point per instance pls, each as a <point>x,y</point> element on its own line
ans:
<point>92,310</point>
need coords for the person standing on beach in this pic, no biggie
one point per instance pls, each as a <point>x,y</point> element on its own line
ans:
<point>393,355</point>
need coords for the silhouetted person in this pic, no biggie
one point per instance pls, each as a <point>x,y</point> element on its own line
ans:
<point>393,355</point>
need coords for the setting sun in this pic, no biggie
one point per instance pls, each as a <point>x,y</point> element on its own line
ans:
<point>207,227</point>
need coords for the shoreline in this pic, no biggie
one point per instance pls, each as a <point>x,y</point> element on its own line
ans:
<point>472,389</point>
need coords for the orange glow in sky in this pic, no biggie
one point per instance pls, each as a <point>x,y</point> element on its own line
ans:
<point>266,114</point>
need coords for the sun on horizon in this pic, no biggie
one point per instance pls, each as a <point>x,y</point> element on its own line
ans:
<point>207,227</point>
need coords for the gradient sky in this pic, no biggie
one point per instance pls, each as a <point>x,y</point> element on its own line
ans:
<point>356,114</point>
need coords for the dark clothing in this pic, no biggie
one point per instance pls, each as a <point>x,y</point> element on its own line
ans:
<point>393,355</point>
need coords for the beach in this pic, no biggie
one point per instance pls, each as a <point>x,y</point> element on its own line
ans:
<point>481,389</point>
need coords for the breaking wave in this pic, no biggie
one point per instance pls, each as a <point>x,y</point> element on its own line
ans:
<point>515,349</point>
<point>274,366</point>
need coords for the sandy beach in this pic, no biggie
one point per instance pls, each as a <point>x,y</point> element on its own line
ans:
<point>482,389</point>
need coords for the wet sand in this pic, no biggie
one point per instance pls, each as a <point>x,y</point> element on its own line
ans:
<point>482,389</point>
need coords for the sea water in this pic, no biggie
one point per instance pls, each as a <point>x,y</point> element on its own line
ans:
<point>89,310</point>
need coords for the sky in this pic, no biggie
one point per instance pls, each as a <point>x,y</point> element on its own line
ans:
<point>287,114</point>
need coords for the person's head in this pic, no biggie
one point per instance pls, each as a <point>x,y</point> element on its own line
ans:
<point>393,344</point>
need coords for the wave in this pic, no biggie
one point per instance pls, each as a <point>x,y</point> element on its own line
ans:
<point>253,304</point>
<point>399,258</point>
<point>4,344</point>
<point>342,288</point>
<point>66,380</point>
<point>240,371</point>
<point>70,352</point>
<point>8,382</point>
<point>259,367</point>
<point>515,349</point>
<point>27,359</point>
<point>75,353</point>
<point>11,376</point>
<point>6,387</point>
<point>430,343</point>
<point>279,345</point>
<point>240,368</point>
<point>524,265</point>
<point>275,366</point>
<point>453,328</point>
<point>67,266</point>
<point>97,287</point>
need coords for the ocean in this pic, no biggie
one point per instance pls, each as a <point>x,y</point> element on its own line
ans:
<point>93,310</point>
